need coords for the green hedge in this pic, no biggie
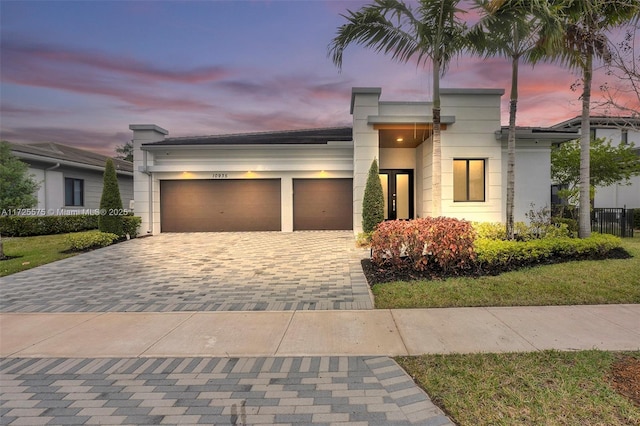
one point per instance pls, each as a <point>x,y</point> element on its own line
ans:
<point>90,239</point>
<point>497,255</point>
<point>26,226</point>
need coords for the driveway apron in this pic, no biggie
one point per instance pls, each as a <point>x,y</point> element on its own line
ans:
<point>248,271</point>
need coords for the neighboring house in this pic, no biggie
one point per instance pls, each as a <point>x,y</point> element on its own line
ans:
<point>620,130</point>
<point>70,178</point>
<point>315,179</point>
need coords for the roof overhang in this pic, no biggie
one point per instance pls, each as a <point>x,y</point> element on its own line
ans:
<point>538,134</point>
<point>54,161</point>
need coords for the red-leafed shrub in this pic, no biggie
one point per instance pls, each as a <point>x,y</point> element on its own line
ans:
<point>440,243</point>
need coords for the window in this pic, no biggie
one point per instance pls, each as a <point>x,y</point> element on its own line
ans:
<point>73,192</point>
<point>624,137</point>
<point>468,180</point>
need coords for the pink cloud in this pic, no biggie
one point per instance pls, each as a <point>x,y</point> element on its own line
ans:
<point>97,74</point>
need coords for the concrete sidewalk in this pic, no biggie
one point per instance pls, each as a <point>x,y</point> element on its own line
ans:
<point>319,333</point>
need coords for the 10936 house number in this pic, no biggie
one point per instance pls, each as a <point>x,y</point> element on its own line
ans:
<point>220,176</point>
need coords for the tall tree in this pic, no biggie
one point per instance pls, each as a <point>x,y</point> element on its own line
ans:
<point>609,165</point>
<point>17,187</point>
<point>373,200</point>
<point>432,32</point>
<point>110,219</point>
<point>513,29</point>
<point>586,25</point>
<point>125,152</point>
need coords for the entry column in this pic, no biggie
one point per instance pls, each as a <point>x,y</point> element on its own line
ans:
<point>286,197</point>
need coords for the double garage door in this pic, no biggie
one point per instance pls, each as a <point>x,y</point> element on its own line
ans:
<point>253,205</point>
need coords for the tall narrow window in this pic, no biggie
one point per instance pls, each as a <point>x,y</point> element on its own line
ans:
<point>468,180</point>
<point>624,137</point>
<point>73,192</point>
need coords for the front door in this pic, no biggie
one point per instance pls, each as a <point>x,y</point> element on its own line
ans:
<point>397,187</point>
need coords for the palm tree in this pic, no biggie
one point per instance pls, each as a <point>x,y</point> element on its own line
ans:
<point>586,24</point>
<point>513,29</point>
<point>432,32</point>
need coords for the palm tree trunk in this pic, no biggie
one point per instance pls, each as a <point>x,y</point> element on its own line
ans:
<point>436,166</point>
<point>584,220</point>
<point>511,149</point>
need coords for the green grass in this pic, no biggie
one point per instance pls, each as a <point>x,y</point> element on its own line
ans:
<point>29,252</point>
<point>584,282</point>
<point>538,388</point>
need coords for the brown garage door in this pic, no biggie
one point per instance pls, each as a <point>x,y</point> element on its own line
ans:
<point>220,205</point>
<point>322,204</point>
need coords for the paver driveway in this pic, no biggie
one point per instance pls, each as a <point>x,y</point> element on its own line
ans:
<point>199,272</point>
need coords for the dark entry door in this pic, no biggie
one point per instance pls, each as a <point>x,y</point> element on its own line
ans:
<point>397,187</point>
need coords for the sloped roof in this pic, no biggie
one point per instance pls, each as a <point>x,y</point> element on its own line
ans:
<point>54,152</point>
<point>599,121</point>
<point>287,137</point>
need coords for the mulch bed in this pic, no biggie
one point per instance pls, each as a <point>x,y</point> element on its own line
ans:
<point>382,274</point>
<point>625,378</point>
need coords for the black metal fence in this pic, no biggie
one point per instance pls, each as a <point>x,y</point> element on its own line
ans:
<point>618,221</point>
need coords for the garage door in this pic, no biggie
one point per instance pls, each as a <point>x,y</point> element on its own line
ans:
<point>322,204</point>
<point>220,205</point>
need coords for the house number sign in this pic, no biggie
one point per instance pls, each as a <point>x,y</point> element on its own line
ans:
<point>220,176</point>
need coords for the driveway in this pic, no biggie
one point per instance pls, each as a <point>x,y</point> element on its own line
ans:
<point>250,271</point>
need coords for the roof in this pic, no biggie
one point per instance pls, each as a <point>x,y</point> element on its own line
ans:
<point>287,137</point>
<point>539,133</point>
<point>599,121</point>
<point>54,153</point>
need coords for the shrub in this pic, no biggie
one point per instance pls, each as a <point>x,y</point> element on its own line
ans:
<point>439,243</point>
<point>130,225</point>
<point>90,239</point>
<point>25,226</point>
<point>522,231</point>
<point>495,256</point>
<point>373,200</point>
<point>110,203</point>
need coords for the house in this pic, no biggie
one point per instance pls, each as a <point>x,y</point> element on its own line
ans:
<point>619,130</point>
<point>70,178</point>
<point>315,179</point>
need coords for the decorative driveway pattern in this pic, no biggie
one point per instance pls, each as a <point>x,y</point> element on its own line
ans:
<point>229,391</point>
<point>248,271</point>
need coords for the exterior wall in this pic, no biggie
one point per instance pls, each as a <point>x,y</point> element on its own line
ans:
<point>533,166</point>
<point>51,195</point>
<point>365,149</point>
<point>145,184</point>
<point>622,194</point>
<point>472,136</point>
<point>284,162</point>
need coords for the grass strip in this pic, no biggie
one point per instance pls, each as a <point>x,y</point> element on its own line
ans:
<point>538,388</point>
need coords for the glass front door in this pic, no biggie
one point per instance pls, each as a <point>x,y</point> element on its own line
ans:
<point>397,187</point>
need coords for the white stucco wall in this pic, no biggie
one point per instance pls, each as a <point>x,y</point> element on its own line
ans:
<point>283,162</point>
<point>365,149</point>
<point>533,172</point>
<point>472,136</point>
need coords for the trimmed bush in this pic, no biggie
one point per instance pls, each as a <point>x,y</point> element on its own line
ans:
<point>130,225</point>
<point>522,231</point>
<point>373,200</point>
<point>494,256</point>
<point>25,226</point>
<point>110,203</point>
<point>90,240</point>
<point>441,243</point>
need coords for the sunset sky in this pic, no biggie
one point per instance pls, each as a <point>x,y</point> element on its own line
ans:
<point>79,72</point>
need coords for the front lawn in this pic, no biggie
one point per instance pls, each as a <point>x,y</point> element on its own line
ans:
<point>538,388</point>
<point>29,252</point>
<point>578,282</point>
